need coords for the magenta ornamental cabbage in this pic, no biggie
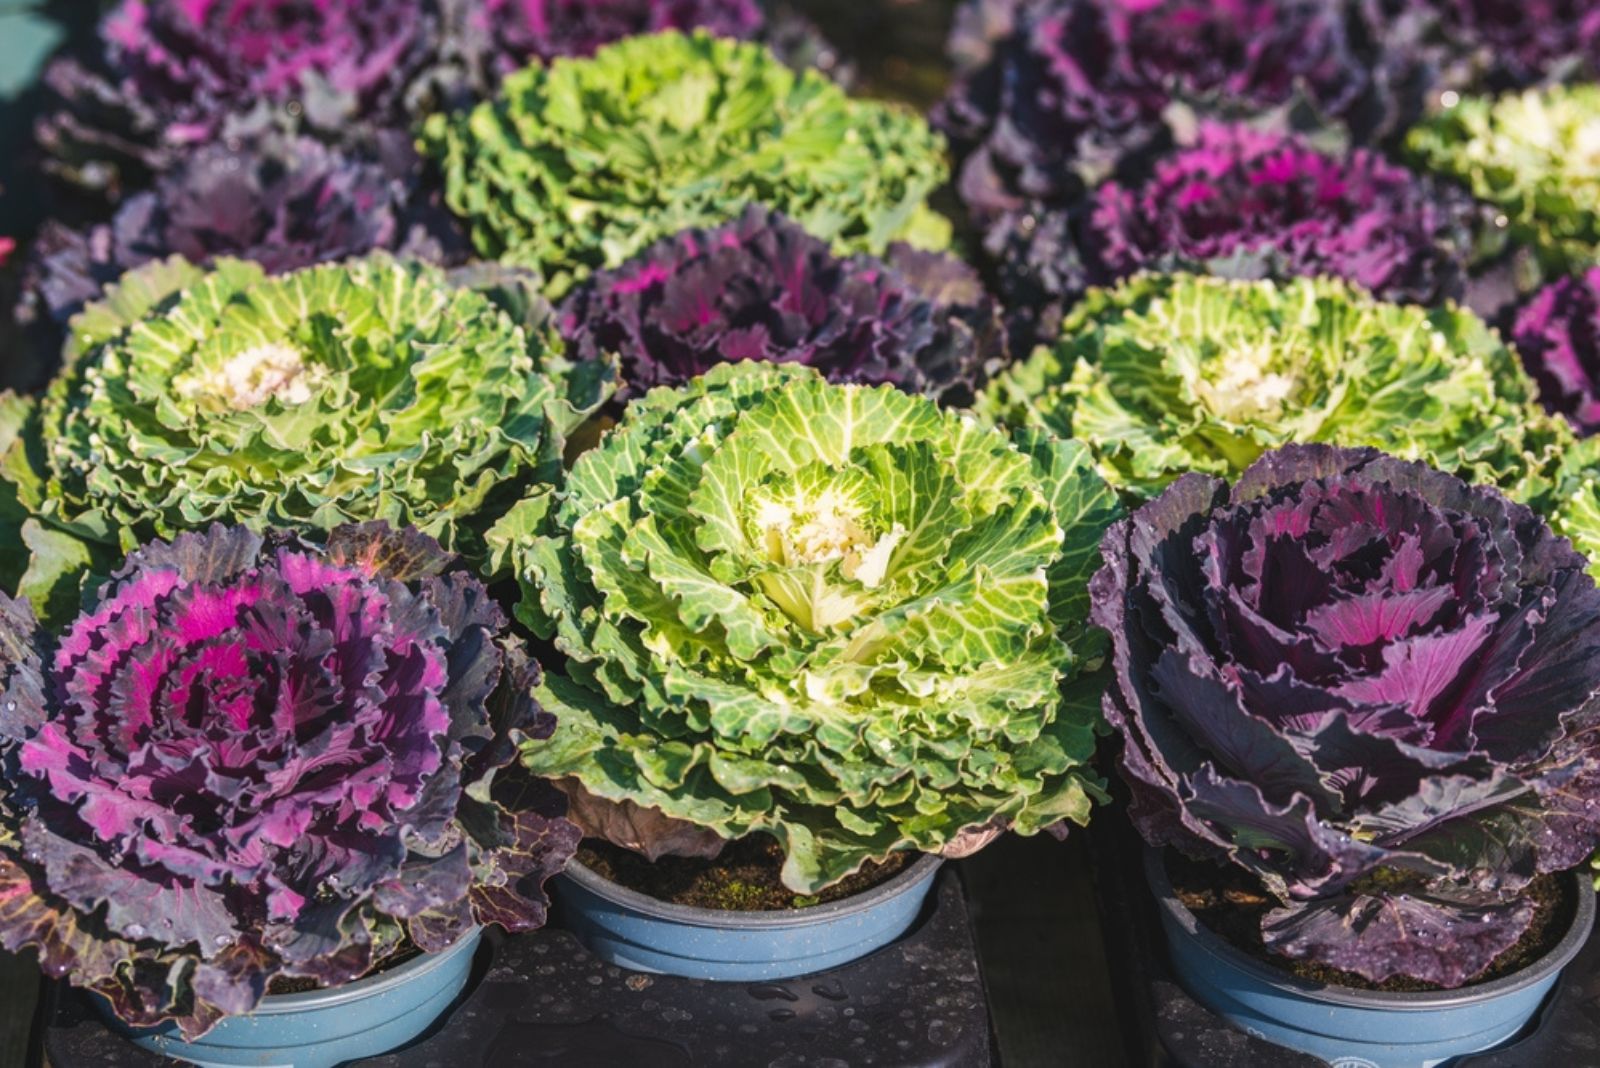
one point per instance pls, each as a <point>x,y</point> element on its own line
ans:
<point>1246,203</point>
<point>761,288</point>
<point>1477,45</point>
<point>259,758</point>
<point>1370,684</point>
<point>1557,334</point>
<point>1078,85</point>
<point>1256,204</point>
<point>174,74</point>
<point>521,30</point>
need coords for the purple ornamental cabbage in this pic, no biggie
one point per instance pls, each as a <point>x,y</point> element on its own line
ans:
<point>1246,203</point>
<point>1255,204</point>
<point>1368,683</point>
<point>1080,85</point>
<point>179,73</point>
<point>1557,334</point>
<point>262,758</point>
<point>762,288</point>
<point>1488,45</point>
<point>283,202</point>
<point>519,31</point>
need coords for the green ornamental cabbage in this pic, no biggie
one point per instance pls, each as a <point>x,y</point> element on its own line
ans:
<point>1535,155</point>
<point>1167,374</point>
<point>582,164</point>
<point>835,614</point>
<point>339,393</point>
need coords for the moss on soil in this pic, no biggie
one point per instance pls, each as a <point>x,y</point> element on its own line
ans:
<point>744,878</point>
<point>1229,902</point>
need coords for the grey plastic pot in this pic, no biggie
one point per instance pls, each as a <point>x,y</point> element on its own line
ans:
<point>1351,1028</point>
<point>323,1028</point>
<point>637,931</point>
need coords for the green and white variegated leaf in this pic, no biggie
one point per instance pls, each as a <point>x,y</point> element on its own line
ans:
<point>1167,374</point>
<point>583,163</point>
<point>367,390</point>
<point>834,614</point>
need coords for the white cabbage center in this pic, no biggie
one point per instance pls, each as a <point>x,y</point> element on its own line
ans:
<point>1245,387</point>
<point>251,378</point>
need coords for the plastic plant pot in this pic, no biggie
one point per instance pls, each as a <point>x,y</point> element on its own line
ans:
<point>637,931</point>
<point>324,1028</point>
<point>1352,1028</point>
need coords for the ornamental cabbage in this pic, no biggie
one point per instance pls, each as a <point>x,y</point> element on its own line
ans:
<point>1490,44</point>
<point>1168,374</point>
<point>833,614</point>
<point>1246,203</point>
<point>1079,85</point>
<point>761,288</point>
<point>282,202</point>
<point>367,390</point>
<point>1536,157</point>
<point>257,757</point>
<point>1369,684</point>
<point>1557,334</point>
<point>178,73</point>
<point>1253,204</point>
<point>584,163</point>
<point>518,31</point>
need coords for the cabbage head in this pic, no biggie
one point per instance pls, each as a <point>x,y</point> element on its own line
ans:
<point>835,614</point>
<point>366,390</point>
<point>1167,374</point>
<point>261,756</point>
<point>584,163</point>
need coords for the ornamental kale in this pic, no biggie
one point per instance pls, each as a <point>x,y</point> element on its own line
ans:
<point>1472,45</point>
<point>366,390</point>
<point>833,614</point>
<point>1251,204</point>
<point>1370,684</point>
<point>1557,334</point>
<point>1080,85</point>
<point>256,757</point>
<point>1168,374</point>
<point>518,31</point>
<point>282,202</point>
<point>1536,157</point>
<point>584,163</point>
<point>761,288</point>
<point>1245,203</point>
<point>179,73</point>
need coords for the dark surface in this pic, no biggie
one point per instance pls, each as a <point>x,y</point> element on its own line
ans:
<point>543,1000</point>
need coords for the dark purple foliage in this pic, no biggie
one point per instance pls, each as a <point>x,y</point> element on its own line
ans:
<point>1080,85</point>
<point>1489,45</point>
<point>1370,684</point>
<point>259,757</point>
<point>761,288</point>
<point>1557,334</point>
<point>518,31</point>
<point>1246,203</point>
<point>7,247</point>
<point>179,73</point>
<point>284,202</point>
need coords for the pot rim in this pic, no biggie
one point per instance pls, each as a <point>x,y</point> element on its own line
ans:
<point>1553,960</point>
<point>367,986</point>
<point>752,919</point>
